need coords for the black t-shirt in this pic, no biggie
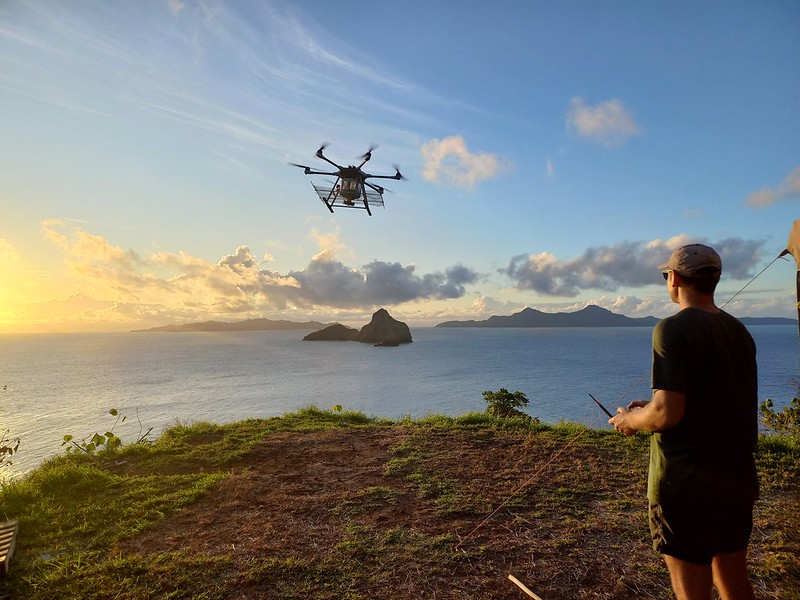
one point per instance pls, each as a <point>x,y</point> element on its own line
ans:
<point>711,358</point>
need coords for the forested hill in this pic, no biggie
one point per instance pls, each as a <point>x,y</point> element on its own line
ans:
<point>591,316</point>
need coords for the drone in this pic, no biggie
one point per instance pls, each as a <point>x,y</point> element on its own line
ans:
<point>351,188</point>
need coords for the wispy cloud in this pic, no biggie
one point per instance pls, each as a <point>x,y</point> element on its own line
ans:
<point>449,161</point>
<point>788,189</point>
<point>232,69</point>
<point>609,123</point>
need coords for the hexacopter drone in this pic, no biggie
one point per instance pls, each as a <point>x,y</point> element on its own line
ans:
<point>351,188</point>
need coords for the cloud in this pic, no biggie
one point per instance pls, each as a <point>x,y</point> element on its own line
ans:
<point>787,189</point>
<point>330,283</point>
<point>487,305</point>
<point>190,288</point>
<point>175,6</point>
<point>609,123</point>
<point>627,264</point>
<point>549,168</point>
<point>450,161</point>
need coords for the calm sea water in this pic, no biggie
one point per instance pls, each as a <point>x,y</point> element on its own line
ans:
<point>51,385</point>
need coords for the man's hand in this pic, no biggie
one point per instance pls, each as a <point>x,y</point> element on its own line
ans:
<point>620,420</point>
<point>663,412</point>
<point>638,404</point>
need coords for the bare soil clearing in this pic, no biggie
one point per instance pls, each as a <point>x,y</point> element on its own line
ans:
<point>390,512</point>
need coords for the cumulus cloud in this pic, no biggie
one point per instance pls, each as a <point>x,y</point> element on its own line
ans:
<point>609,123</point>
<point>787,189</point>
<point>330,283</point>
<point>627,264</point>
<point>488,305</point>
<point>137,285</point>
<point>450,161</point>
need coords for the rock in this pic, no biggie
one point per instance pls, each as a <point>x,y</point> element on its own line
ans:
<point>383,329</point>
<point>333,333</point>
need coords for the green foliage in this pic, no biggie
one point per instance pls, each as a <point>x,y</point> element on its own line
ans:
<point>786,421</point>
<point>503,404</point>
<point>108,441</point>
<point>8,445</point>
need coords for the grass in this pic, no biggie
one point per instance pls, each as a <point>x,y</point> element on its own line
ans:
<point>334,504</point>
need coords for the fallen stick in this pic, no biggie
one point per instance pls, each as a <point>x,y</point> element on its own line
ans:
<point>521,586</point>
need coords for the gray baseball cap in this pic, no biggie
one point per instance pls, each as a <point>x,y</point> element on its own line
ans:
<point>688,260</point>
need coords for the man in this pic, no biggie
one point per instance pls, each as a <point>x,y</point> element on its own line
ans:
<point>702,480</point>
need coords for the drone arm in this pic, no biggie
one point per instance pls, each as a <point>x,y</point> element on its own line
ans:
<point>396,176</point>
<point>377,188</point>
<point>309,171</point>
<point>327,160</point>
<point>367,156</point>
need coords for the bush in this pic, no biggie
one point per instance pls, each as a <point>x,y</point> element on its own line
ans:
<point>786,421</point>
<point>502,404</point>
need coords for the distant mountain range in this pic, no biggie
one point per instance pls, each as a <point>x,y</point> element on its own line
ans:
<point>591,316</point>
<point>249,325</point>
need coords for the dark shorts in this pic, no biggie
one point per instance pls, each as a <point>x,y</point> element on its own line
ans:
<point>696,535</point>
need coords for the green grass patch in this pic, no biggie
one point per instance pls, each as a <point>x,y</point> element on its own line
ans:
<point>76,512</point>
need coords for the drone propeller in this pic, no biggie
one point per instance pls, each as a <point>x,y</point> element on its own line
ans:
<point>321,148</point>
<point>398,174</point>
<point>306,169</point>
<point>368,154</point>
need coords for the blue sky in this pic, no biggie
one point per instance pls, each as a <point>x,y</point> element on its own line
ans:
<point>555,153</point>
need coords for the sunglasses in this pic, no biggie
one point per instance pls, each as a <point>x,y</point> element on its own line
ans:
<point>666,275</point>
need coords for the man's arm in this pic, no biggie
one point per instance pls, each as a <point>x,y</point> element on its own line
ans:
<point>664,411</point>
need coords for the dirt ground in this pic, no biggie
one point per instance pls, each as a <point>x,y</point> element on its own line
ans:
<point>392,513</point>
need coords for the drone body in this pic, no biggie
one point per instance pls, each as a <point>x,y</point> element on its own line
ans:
<point>351,188</point>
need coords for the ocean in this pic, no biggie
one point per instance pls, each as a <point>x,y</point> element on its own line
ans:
<point>57,384</point>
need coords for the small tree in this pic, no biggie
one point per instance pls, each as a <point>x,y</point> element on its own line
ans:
<point>786,421</point>
<point>503,404</point>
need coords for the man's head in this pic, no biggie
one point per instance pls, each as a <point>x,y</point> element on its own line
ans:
<point>699,267</point>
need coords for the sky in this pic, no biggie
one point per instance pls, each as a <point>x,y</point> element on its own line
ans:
<point>554,154</point>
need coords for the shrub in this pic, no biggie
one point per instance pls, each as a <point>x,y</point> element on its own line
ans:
<point>8,447</point>
<point>786,421</point>
<point>503,404</point>
<point>97,442</point>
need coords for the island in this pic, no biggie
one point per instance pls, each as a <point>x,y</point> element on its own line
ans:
<point>590,316</point>
<point>382,330</point>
